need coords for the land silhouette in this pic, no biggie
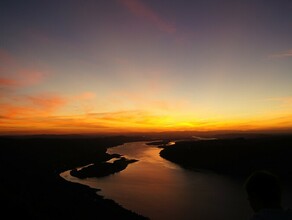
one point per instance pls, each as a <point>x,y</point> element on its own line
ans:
<point>237,157</point>
<point>31,187</point>
<point>102,169</point>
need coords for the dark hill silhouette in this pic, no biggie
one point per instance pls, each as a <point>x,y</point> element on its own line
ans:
<point>234,156</point>
<point>31,187</point>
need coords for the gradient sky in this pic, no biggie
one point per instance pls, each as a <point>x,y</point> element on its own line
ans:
<point>92,66</point>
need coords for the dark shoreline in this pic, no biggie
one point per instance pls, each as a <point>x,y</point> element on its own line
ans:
<point>235,157</point>
<point>102,169</point>
<point>31,187</point>
<point>30,184</point>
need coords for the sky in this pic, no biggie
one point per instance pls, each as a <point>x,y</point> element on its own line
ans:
<point>102,66</point>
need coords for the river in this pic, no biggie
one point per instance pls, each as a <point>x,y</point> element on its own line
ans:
<point>159,189</point>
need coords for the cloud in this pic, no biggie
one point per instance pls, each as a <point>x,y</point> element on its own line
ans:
<point>282,104</point>
<point>283,54</point>
<point>14,74</point>
<point>7,82</point>
<point>125,121</point>
<point>285,100</point>
<point>139,9</point>
<point>122,121</point>
<point>31,77</point>
<point>13,105</point>
<point>47,102</point>
<point>83,102</point>
<point>6,58</point>
<point>41,105</point>
<point>22,78</point>
<point>85,96</point>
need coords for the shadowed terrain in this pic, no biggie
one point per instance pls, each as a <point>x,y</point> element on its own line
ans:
<point>30,185</point>
<point>102,169</point>
<point>237,157</point>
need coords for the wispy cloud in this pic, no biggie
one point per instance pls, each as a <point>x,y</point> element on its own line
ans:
<point>140,9</point>
<point>22,78</point>
<point>31,106</point>
<point>284,103</point>
<point>283,54</point>
<point>31,77</point>
<point>15,74</point>
<point>85,96</point>
<point>6,58</point>
<point>84,101</point>
<point>47,102</point>
<point>7,82</point>
<point>94,122</point>
<point>127,121</point>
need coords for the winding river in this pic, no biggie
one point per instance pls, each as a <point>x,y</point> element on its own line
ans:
<point>159,189</point>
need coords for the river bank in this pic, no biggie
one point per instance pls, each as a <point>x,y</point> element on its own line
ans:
<point>31,187</point>
<point>237,157</point>
<point>178,193</point>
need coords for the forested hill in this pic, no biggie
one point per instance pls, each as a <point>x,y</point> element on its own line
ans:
<point>237,157</point>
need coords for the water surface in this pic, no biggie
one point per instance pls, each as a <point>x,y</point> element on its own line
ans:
<point>159,189</point>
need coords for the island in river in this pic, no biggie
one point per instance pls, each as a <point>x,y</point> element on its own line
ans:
<point>31,187</point>
<point>102,169</point>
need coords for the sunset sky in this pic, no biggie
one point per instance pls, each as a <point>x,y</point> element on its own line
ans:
<point>92,66</point>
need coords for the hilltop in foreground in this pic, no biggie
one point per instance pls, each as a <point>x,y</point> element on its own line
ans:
<point>30,185</point>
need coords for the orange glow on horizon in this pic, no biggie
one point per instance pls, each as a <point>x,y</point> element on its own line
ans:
<point>143,66</point>
<point>132,121</point>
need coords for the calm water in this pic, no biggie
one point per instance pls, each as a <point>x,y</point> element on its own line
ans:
<point>159,189</point>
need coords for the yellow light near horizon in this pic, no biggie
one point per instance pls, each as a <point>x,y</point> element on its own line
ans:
<point>138,122</point>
